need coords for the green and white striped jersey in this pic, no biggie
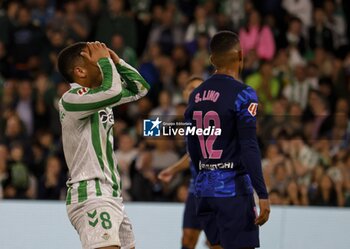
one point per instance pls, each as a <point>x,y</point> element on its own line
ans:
<point>87,130</point>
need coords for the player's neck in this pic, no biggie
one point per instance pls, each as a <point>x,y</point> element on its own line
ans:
<point>86,82</point>
<point>228,71</point>
<point>83,83</point>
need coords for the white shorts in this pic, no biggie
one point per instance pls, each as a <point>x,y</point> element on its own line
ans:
<point>101,222</point>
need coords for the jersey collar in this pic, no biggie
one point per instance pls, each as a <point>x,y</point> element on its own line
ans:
<point>74,85</point>
<point>222,76</point>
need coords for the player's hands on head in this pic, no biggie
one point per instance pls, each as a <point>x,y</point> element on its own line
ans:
<point>165,175</point>
<point>115,58</point>
<point>96,51</point>
<point>264,206</point>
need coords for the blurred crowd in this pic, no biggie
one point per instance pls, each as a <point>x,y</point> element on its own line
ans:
<point>296,56</point>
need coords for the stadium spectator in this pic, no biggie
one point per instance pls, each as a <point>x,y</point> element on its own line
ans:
<point>326,193</point>
<point>180,57</point>
<point>20,184</point>
<point>126,154</point>
<point>14,131</point>
<point>323,61</point>
<point>257,37</point>
<point>24,106</point>
<point>202,49</point>
<point>166,33</point>
<point>275,122</point>
<point>3,168</point>
<point>298,90</point>
<point>143,178</point>
<point>116,20</point>
<point>296,195</point>
<point>294,38</point>
<point>163,154</point>
<point>266,86</point>
<point>4,68</point>
<point>51,185</point>
<point>276,198</point>
<point>42,12</point>
<point>318,113</point>
<point>301,9</point>
<point>339,135</point>
<point>335,22</point>
<point>25,44</point>
<point>201,24</point>
<point>93,12</point>
<point>232,10</point>
<point>319,34</point>
<point>77,24</point>
<point>165,110</point>
<point>123,50</point>
<point>347,180</point>
<point>280,179</point>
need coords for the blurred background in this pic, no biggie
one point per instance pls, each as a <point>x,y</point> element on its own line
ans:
<point>296,57</point>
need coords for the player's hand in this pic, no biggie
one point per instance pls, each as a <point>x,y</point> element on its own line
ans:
<point>165,175</point>
<point>115,58</point>
<point>97,50</point>
<point>264,206</point>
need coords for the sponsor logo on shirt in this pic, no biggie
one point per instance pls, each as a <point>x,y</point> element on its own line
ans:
<point>106,236</point>
<point>83,91</point>
<point>253,108</point>
<point>106,117</point>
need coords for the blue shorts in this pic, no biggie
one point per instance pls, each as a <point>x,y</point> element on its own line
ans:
<point>190,219</point>
<point>234,218</point>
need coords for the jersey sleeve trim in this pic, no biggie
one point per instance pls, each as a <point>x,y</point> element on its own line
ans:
<point>72,107</point>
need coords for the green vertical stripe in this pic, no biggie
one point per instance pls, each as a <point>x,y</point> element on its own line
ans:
<point>98,187</point>
<point>82,191</point>
<point>69,196</point>
<point>120,181</point>
<point>110,160</point>
<point>107,72</point>
<point>95,136</point>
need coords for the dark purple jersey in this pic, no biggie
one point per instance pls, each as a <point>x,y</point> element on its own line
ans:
<point>222,140</point>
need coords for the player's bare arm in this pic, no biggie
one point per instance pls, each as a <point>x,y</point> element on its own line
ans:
<point>167,174</point>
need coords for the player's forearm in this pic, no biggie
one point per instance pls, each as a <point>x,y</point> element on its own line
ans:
<point>135,86</point>
<point>111,81</point>
<point>134,81</point>
<point>181,165</point>
<point>250,158</point>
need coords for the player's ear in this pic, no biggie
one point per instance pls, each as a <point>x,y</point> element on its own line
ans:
<point>240,56</point>
<point>212,59</point>
<point>241,62</point>
<point>80,72</point>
